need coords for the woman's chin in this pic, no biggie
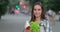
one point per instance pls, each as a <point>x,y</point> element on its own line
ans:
<point>37,16</point>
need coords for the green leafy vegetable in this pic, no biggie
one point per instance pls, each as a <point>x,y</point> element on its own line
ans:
<point>34,26</point>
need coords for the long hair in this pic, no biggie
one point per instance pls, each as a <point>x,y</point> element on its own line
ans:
<point>33,18</point>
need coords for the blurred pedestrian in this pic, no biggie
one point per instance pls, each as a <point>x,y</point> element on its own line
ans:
<point>51,16</point>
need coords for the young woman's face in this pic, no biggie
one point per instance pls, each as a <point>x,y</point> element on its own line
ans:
<point>37,10</point>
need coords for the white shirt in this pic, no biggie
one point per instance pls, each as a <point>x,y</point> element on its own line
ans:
<point>43,22</point>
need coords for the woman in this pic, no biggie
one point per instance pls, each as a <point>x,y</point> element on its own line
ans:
<point>38,15</point>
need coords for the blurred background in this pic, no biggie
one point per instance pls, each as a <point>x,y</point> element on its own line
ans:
<point>14,13</point>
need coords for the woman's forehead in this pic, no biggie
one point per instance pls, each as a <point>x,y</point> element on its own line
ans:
<point>37,7</point>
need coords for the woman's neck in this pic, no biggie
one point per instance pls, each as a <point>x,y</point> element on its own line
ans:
<point>38,19</point>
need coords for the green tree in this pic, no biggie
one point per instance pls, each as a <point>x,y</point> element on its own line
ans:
<point>3,7</point>
<point>33,1</point>
<point>52,4</point>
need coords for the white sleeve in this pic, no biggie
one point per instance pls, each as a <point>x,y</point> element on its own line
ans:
<point>27,24</point>
<point>48,29</point>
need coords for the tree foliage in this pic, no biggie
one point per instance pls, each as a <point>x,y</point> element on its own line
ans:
<point>33,1</point>
<point>52,4</point>
<point>3,7</point>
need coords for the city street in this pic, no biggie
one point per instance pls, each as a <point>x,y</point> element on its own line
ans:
<point>15,13</point>
<point>15,23</point>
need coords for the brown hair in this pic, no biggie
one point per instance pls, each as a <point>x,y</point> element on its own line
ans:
<point>42,14</point>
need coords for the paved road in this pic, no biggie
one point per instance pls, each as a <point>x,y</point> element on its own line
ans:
<point>15,23</point>
<point>56,27</point>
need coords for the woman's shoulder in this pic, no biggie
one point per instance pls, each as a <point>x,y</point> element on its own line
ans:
<point>45,21</point>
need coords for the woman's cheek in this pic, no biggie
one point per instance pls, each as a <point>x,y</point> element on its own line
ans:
<point>39,12</point>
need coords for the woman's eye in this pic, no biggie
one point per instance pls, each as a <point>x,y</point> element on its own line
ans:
<point>38,9</point>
